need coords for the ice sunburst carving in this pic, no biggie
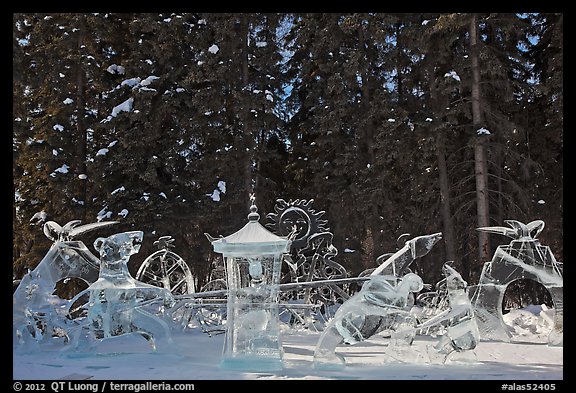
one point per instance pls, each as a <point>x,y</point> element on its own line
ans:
<point>300,214</point>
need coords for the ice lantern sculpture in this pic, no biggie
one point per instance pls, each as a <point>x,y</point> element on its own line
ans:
<point>253,258</point>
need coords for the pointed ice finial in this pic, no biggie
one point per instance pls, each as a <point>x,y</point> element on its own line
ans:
<point>253,216</point>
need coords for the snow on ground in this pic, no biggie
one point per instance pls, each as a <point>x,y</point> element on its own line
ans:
<point>196,356</point>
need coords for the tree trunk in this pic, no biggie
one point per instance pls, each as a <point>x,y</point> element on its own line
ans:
<point>480,162</point>
<point>448,233</point>
<point>447,224</point>
<point>500,214</point>
<point>81,129</point>
<point>368,143</point>
<point>370,223</point>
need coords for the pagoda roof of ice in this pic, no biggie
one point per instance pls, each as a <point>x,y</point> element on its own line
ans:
<point>252,239</point>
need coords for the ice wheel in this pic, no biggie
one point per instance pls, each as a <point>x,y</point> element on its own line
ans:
<point>166,269</point>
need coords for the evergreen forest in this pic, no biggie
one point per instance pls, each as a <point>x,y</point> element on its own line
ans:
<point>393,123</point>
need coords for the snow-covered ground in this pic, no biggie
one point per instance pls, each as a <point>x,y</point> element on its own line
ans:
<point>197,357</point>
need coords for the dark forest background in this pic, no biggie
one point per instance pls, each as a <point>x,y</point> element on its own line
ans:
<point>392,123</point>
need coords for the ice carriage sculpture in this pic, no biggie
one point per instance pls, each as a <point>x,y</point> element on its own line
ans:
<point>245,302</point>
<point>315,281</point>
<point>166,269</point>
<point>523,258</point>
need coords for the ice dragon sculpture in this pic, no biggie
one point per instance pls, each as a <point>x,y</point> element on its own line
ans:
<point>523,258</point>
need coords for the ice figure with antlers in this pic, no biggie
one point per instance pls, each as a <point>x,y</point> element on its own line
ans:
<point>523,258</point>
<point>117,302</point>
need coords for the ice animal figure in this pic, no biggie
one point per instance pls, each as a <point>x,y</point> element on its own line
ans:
<point>523,258</point>
<point>383,303</point>
<point>459,330</point>
<point>381,296</point>
<point>39,316</point>
<point>117,301</point>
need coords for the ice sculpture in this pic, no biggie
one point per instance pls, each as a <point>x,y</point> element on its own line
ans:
<point>383,303</point>
<point>310,259</point>
<point>38,314</point>
<point>164,268</point>
<point>399,262</point>
<point>458,328</point>
<point>297,214</point>
<point>311,250</point>
<point>526,258</point>
<point>385,297</point>
<point>253,258</point>
<point>117,301</point>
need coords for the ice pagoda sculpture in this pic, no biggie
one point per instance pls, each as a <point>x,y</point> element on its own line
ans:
<point>523,258</point>
<point>253,257</point>
<point>38,313</point>
<point>383,303</point>
<point>117,302</point>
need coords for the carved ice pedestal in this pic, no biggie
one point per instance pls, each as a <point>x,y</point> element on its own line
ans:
<point>253,258</point>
